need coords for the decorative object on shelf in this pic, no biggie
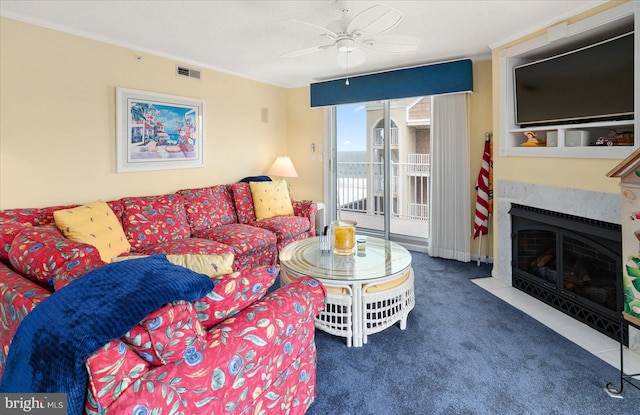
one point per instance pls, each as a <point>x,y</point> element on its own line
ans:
<point>577,138</point>
<point>533,140</point>
<point>615,138</point>
<point>158,131</point>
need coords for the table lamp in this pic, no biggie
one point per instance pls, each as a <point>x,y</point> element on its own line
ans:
<point>283,167</point>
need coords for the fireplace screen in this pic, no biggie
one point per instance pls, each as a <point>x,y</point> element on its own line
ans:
<point>573,264</point>
<point>583,269</point>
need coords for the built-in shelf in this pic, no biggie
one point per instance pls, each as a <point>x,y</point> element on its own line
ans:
<point>568,140</point>
<point>571,140</point>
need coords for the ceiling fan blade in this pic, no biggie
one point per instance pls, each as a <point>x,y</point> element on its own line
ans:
<point>392,43</point>
<point>351,59</point>
<point>306,51</point>
<point>323,30</point>
<point>374,21</point>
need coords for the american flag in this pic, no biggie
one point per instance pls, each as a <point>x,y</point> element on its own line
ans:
<point>483,201</point>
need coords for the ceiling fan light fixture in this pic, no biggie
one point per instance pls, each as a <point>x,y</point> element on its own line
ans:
<point>345,45</point>
<point>355,57</point>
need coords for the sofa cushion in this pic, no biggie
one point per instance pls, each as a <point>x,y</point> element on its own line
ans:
<point>244,239</point>
<point>94,224</point>
<point>171,333</point>
<point>233,293</point>
<point>8,231</point>
<point>150,220</point>
<point>285,227</point>
<point>211,265</point>
<point>116,207</point>
<point>244,202</point>
<point>34,216</point>
<point>271,199</point>
<point>208,207</point>
<point>45,256</point>
<point>188,246</point>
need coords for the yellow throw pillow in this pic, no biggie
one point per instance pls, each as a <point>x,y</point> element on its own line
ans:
<point>94,224</point>
<point>271,199</point>
<point>211,265</point>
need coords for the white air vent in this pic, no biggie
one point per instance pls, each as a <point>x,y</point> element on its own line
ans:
<point>189,73</point>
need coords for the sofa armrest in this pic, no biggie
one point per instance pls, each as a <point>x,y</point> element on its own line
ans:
<point>307,209</point>
<point>18,296</point>
<point>111,370</point>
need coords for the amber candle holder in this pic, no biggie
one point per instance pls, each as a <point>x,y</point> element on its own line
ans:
<point>343,237</point>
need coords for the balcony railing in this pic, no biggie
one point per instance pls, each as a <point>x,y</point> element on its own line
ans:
<point>361,187</point>
<point>418,211</point>
<point>378,137</point>
<point>418,163</point>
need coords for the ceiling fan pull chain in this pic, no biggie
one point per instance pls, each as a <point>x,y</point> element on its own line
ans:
<point>347,81</point>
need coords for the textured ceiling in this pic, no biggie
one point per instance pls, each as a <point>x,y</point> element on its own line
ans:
<point>247,38</point>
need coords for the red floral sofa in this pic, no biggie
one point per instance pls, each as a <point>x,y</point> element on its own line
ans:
<point>210,220</point>
<point>232,326</point>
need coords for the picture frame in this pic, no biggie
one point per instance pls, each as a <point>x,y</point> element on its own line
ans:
<point>158,131</point>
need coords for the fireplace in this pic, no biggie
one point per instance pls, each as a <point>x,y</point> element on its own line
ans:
<point>571,263</point>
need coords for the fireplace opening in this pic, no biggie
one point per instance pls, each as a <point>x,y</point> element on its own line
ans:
<point>570,263</point>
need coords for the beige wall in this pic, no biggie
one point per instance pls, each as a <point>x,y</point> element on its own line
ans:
<point>480,123</point>
<point>304,128</point>
<point>58,125</point>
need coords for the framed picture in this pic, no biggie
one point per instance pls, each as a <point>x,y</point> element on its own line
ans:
<point>158,131</point>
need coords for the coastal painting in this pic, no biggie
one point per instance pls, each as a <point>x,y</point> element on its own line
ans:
<point>158,131</point>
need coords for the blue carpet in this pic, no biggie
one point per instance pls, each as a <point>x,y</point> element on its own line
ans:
<point>464,352</point>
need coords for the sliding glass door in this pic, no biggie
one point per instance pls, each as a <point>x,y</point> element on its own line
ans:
<point>380,167</point>
<point>359,175</point>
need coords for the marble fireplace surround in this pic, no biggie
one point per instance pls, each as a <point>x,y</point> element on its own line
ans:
<point>584,203</point>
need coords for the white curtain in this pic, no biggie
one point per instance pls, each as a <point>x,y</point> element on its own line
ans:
<point>449,216</point>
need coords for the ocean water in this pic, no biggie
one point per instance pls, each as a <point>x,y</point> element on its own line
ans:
<point>352,156</point>
<point>347,164</point>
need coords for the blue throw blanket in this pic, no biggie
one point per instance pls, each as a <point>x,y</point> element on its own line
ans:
<point>48,351</point>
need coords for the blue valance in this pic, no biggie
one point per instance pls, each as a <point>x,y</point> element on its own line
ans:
<point>434,79</point>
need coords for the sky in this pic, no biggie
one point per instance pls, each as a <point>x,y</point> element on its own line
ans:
<point>352,127</point>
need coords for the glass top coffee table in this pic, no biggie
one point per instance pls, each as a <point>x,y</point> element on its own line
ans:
<point>366,292</point>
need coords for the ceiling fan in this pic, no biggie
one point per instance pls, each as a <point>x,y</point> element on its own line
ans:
<point>354,36</point>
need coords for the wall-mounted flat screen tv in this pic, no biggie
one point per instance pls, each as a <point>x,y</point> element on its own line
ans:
<point>594,83</point>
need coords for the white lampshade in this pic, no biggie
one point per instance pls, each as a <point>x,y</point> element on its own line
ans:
<point>283,167</point>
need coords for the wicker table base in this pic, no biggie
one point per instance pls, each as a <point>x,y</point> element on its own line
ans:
<point>361,300</point>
